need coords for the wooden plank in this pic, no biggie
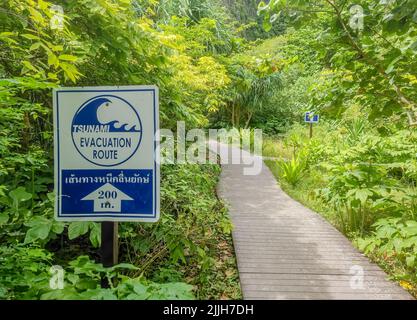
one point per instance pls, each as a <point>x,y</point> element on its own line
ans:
<point>377,283</point>
<point>295,258</point>
<point>283,269</point>
<point>254,295</point>
<point>322,289</point>
<point>291,230</point>
<point>348,263</point>
<point>308,241</point>
<point>329,264</point>
<point>288,249</point>
<point>291,246</point>
<point>307,277</point>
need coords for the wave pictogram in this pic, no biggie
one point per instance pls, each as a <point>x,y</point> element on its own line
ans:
<point>104,112</point>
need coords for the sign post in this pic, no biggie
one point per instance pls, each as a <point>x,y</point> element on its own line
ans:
<point>311,118</point>
<point>106,167</point>
<point>109,243</point>
<point>109,247</point>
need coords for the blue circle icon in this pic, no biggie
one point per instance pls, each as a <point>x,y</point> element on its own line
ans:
<point>106,130</point>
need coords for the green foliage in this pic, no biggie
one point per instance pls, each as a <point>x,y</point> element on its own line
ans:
<point>77,229</point>
<point>113,42</point>
<point>21,270</point>
<point>393,237</point>
<point>360,165</point>
<point>367,175</point>
<point>362,181</point>
<point>361,79</point>
<point>83,282</point>
<point>245,12</point>
<point>292,171</point>
<point>253,81</point>
<point>271,97</point>
<point>25,274</point>
<point>373,65</point>
<point>187,238</point>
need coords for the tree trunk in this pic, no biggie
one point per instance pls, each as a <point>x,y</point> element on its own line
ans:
<point>26,132</point>
<point>237,122</point>
<point>250,114</point>
<point>233,114</point>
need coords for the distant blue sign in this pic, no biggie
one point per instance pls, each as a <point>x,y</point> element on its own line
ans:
<point>310,117</point>
<point>105,161</point>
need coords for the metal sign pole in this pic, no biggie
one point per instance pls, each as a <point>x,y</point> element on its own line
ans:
<point>311,118</point>
<point>109,247</point>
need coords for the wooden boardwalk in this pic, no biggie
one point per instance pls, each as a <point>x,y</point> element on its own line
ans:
<point>286,251</point>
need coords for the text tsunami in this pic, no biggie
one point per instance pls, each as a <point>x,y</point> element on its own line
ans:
<point>91,128</point>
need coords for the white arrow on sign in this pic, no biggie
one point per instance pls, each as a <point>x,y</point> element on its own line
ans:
<point>107,198</point>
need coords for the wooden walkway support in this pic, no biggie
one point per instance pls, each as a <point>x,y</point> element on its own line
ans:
<point>286,251</point>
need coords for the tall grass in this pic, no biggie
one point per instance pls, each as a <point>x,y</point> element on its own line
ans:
<point>292,171</point>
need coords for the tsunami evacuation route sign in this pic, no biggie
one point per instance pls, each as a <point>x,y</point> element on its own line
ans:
<point>105,153</point>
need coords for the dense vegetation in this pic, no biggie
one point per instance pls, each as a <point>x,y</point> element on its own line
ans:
<point>217,64</point>
<point>188,253</point>
<point>359,169</point>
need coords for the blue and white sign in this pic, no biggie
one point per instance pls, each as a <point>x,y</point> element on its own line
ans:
<point>310,117</point>
<point>105,153</point>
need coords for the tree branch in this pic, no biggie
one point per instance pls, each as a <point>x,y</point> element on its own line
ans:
<point>401,97</point>
<point>307,11</point>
